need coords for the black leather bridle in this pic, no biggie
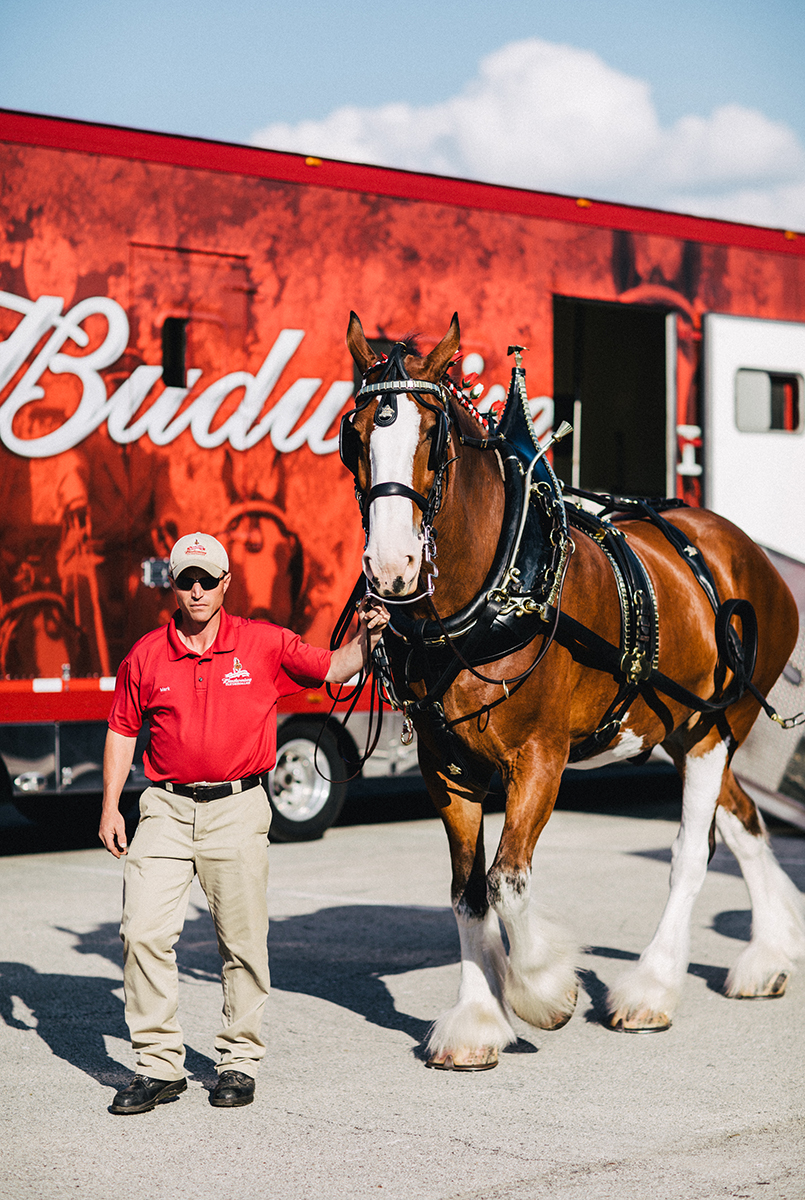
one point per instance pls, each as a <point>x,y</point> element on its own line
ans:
<point>394,380</point>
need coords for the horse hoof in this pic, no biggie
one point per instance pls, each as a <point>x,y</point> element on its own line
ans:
<point>644,1021</point>
<point>483,1059</point>
<point>563,1018</point>
<point>773,989</point>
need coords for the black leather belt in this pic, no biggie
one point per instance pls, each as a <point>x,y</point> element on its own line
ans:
<point>202,792</point>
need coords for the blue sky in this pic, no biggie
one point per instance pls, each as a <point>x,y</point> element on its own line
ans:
<point>694,106</point>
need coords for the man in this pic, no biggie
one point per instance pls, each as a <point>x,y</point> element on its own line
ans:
<point>208,685</point>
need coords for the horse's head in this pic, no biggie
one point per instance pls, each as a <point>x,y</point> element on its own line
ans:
<point>395,444</point>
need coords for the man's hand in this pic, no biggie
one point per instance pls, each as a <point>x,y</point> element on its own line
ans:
<point>112,832</point>
<point>374,617</point>
<point>348,660</point>
<point>118,756</point>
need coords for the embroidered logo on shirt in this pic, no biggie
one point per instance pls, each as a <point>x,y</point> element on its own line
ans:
<point>238,676</point>
<point>165,689</point>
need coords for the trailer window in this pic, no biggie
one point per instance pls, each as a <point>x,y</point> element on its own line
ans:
<point>174,351</point>
<point>766,400</point>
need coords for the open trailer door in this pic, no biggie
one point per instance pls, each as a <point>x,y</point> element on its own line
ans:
<point>754,397</point>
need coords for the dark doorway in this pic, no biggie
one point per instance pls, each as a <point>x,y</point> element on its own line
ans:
<point>610,371</point>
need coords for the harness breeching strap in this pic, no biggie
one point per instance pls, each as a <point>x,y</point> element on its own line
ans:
<point>738,654</point>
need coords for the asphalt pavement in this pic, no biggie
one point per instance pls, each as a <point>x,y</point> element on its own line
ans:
<point>364,955</point>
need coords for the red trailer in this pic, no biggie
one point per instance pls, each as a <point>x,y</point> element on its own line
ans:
<point>170,313</point>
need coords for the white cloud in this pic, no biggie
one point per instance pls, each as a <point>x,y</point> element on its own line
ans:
<point>556,118</point>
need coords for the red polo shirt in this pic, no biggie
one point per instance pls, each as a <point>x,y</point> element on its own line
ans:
<point>212,716</point>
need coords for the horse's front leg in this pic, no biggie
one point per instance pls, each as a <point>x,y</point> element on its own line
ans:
<point>541,983</point>
<point>470,1035</point>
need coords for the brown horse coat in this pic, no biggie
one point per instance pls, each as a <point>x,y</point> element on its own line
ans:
<point>528,738</point>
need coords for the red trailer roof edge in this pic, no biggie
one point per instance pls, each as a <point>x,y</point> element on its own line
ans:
<point>63,133</point>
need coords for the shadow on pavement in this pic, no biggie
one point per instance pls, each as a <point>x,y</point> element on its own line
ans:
<point>338,954</point>
<point>73,1014</point>
<point>342,954</point>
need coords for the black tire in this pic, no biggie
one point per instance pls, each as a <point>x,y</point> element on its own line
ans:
<point>307,788</point>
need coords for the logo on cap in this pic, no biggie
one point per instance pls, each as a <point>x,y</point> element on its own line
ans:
<point>196,548</point>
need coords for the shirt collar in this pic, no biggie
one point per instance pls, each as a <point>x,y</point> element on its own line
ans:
<point>224,642</point>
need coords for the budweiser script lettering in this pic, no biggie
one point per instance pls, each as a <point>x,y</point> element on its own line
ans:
<point>161,421</point>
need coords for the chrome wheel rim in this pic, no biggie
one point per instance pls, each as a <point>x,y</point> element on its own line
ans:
<point>298,791</point>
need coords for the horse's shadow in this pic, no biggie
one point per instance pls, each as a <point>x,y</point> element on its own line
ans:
<point>733,924</point>
<point>341,954</point>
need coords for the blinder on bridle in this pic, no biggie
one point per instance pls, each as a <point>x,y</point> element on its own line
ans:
<point>394,380</point>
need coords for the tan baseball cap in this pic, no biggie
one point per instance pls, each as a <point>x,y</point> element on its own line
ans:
<point>199,550</point>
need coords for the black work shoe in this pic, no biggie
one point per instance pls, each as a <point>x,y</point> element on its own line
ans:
<point>143,1094</point>
<point>232,1090</point>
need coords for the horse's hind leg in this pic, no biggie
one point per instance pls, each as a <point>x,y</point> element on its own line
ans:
<point>644,998</point>
<point>778,921</point>
<point>469,1036</point>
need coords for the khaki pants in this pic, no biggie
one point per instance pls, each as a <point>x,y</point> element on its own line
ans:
<point>225,842</point>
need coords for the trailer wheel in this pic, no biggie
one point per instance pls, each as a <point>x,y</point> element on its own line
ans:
<point>306,788</point>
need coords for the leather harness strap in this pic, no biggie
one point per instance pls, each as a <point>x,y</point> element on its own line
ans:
<point>521,596</point>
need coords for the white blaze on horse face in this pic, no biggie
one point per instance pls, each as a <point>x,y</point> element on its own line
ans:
<point>394,550</point>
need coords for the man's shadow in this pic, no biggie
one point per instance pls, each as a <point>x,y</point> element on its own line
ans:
<point>70,1013</point>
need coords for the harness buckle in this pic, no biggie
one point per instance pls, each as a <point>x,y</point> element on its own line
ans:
<point>636,665</point>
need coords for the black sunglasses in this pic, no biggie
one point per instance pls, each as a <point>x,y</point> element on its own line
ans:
<point>185,582</point>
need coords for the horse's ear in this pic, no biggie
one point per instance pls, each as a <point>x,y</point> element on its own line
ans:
<point>358,346</point>
<point>439,358</point>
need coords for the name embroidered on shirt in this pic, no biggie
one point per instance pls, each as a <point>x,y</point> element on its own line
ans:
<point>165,689</point>
<point>238,676</point>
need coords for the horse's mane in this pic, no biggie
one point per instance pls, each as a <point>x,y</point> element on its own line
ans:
<point>412,343</point>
